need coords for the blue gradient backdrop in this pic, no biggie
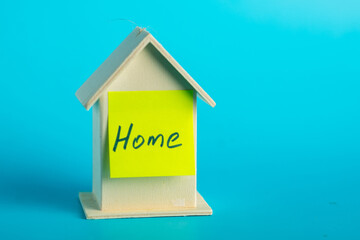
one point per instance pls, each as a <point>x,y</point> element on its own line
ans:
<point>278,157</point>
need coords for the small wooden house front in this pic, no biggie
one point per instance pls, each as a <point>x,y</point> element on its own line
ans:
<point>140,65</point>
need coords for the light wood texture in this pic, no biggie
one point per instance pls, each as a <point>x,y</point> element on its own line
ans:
<point>90,91</point>
<point>106,74</point>
<point>149,70</point>
<point>97,177</point>
<point>91,211</point>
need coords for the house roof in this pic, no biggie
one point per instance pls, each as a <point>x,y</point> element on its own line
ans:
<point>137,40</point>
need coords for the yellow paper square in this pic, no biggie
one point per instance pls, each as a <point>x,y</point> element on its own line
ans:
<point>148,114</point>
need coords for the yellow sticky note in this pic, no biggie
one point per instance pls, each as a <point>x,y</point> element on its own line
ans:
<point>151,133</point>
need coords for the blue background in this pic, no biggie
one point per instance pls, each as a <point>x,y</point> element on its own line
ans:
<point>278,157</point>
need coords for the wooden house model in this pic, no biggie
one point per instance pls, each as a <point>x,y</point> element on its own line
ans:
<point>140,186</point>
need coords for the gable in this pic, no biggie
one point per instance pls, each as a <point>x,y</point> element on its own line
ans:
<point>149,71</point>
<point>118,61</point>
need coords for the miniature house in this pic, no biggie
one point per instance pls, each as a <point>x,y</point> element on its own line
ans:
<point>140,67</point>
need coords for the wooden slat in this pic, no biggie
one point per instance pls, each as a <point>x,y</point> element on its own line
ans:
<point>91,210</point>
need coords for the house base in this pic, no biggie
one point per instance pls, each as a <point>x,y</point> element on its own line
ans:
<point>91,212</point>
